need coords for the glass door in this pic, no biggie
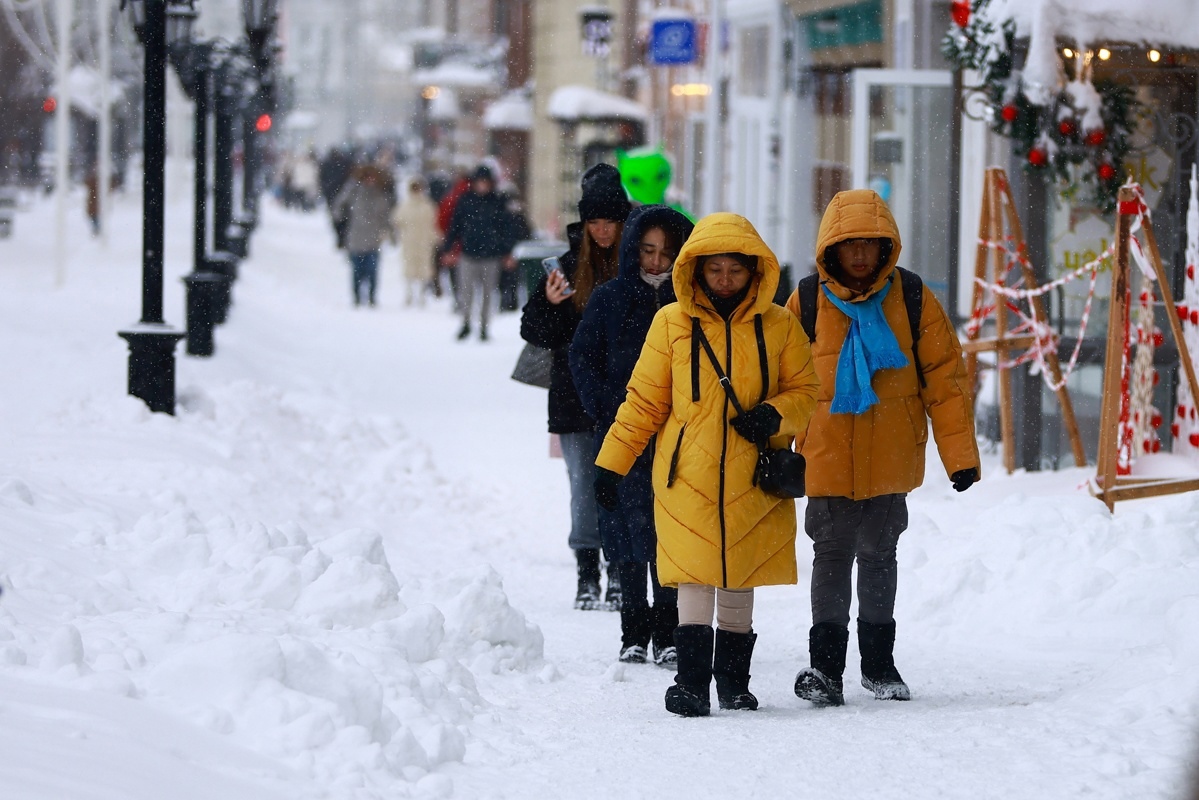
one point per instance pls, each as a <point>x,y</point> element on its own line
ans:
<point>901,148</point>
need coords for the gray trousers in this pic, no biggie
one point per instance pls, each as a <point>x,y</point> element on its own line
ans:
<point>578,451</point>
<point>480,272</point>
<point>842,531</point>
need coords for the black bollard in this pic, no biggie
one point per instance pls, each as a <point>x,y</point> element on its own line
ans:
<point>152,365</point>
<point>225,264</point>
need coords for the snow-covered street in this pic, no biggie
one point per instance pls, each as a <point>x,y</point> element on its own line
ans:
<point>341,572</point>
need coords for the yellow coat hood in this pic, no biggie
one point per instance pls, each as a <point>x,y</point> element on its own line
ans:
<point>724,232</point>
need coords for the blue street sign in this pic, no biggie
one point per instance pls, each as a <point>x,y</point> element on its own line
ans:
<point>672,41</point>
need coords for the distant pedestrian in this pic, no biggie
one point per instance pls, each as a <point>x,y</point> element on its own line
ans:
<point>881,379</point>
<point>363,207</point>
<point>483,227</point>
<point>415,224</point>
<point>719,533</point>
<point>549,320</point>
<point>305,180</point>
<point>603,353</point>
<point>92,206</point>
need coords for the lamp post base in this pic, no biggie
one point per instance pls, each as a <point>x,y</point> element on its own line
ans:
<point>152,365</point>
<point>204,294</point>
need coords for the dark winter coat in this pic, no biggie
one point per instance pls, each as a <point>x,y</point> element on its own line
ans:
<point>602,356</point>
<point>551,326</point>
<point>483,225</point>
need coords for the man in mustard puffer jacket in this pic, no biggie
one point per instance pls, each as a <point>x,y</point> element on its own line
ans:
<point>865,444</point>
<point>719,534</point>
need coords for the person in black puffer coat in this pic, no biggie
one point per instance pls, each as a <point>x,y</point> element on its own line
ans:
<point>549,320</point>
<point>602,356</point>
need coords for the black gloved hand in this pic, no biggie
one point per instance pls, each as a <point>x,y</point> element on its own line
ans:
<point>605,488</point>
<point>758,424</point>
<point>963,479</point>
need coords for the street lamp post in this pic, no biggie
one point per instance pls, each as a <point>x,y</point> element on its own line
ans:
<point>151,341</point>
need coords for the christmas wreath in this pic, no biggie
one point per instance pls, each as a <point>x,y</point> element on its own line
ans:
<point>1078,132</point>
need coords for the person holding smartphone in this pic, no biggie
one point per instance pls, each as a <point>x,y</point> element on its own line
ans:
<point>602,356</point>
<point>549,320</point>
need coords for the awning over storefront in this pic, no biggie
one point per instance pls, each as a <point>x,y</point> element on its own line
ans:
<point>802,8</point>
<point>512,112</point>
<point>584,104</point>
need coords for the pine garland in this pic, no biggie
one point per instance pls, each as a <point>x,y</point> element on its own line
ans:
<point>1086,163</point>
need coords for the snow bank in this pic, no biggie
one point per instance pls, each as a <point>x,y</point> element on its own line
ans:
<point>201,564</point>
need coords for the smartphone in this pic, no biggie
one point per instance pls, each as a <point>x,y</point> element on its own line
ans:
<point>552,264</point>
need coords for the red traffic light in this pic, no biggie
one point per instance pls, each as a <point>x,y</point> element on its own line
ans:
<point>263,124</point>
<point>49,105</point>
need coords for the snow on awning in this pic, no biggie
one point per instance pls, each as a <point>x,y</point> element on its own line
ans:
<point>444,105</point>
<point>584,104</point>
<point>1160,22</point>
<point>302,120</point>
<point>512,112</point>
<point>458,76</point>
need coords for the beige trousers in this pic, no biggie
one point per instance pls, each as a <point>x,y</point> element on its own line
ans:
<point>734,607</point>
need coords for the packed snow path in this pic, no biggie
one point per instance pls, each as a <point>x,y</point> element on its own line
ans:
<point>341,572</point>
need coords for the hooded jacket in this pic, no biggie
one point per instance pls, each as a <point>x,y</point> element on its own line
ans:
<point>714,526</point>
<point>881,451</point>
<point>603,353</point>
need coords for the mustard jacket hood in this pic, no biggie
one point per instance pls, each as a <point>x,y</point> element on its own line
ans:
<point>856,214</point>
<point>724,232</point>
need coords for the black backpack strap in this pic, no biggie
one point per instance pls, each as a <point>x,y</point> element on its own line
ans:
<point>913,300</point>
<point>808,289</point>
<point>697,333</point>
<point>763,362</point>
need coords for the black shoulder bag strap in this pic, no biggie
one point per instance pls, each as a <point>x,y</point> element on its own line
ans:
<point>808,290</point>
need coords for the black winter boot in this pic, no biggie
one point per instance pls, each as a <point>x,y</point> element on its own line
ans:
<point>691,694</point>
<point>587,598</point>
<point>821,683</point>
<point>666,619</point>
<point>613,597</point>
<point>636,625</point>
<point>730,668</point>
<point>879,675</point>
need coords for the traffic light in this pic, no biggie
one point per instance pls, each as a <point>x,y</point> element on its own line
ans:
<point>49,105</point>
<point>263,124</point>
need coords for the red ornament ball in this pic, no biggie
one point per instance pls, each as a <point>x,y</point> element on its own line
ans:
<point>1183,313</point>
<point>960,11</point>
<point>1096,137</point>
<point>1157,445</point>
<point>1159,338</point>
<point>1174,430</point>
<point>1194,439</point>
<point>1191,271</point>
<point>1156,420</point>
<point>1038,157</point>
<point>1066,127</point>
<point>1194,317</point>
<point>1106,172</point>
<point>1009,113</point>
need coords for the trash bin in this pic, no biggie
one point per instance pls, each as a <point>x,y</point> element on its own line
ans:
<point>8,208</point>
<point>528,255</point>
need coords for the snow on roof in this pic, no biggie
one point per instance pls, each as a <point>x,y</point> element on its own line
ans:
<point>85,84</point>
<point>1159,22</point>
<point>457,75</point>
<point>444,105</point>
<point>512,112</point>
<point>584,104</point>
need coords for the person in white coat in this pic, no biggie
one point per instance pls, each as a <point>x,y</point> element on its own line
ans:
<point>414,222</point>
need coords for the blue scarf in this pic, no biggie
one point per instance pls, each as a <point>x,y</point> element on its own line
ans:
<point>869,347</point>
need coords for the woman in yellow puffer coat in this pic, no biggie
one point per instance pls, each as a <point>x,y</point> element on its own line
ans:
<point>719,535</point>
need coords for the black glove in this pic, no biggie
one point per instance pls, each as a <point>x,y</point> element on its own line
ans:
<point>963,479</point>
<point>605,488</point>
<point>758,424</point>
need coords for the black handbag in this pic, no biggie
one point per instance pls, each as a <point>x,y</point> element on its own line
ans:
<point>533,366</point>
<point>780,470</point>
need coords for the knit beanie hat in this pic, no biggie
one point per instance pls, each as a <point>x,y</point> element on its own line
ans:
<point>483,173</point>
<point>603,195</point>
